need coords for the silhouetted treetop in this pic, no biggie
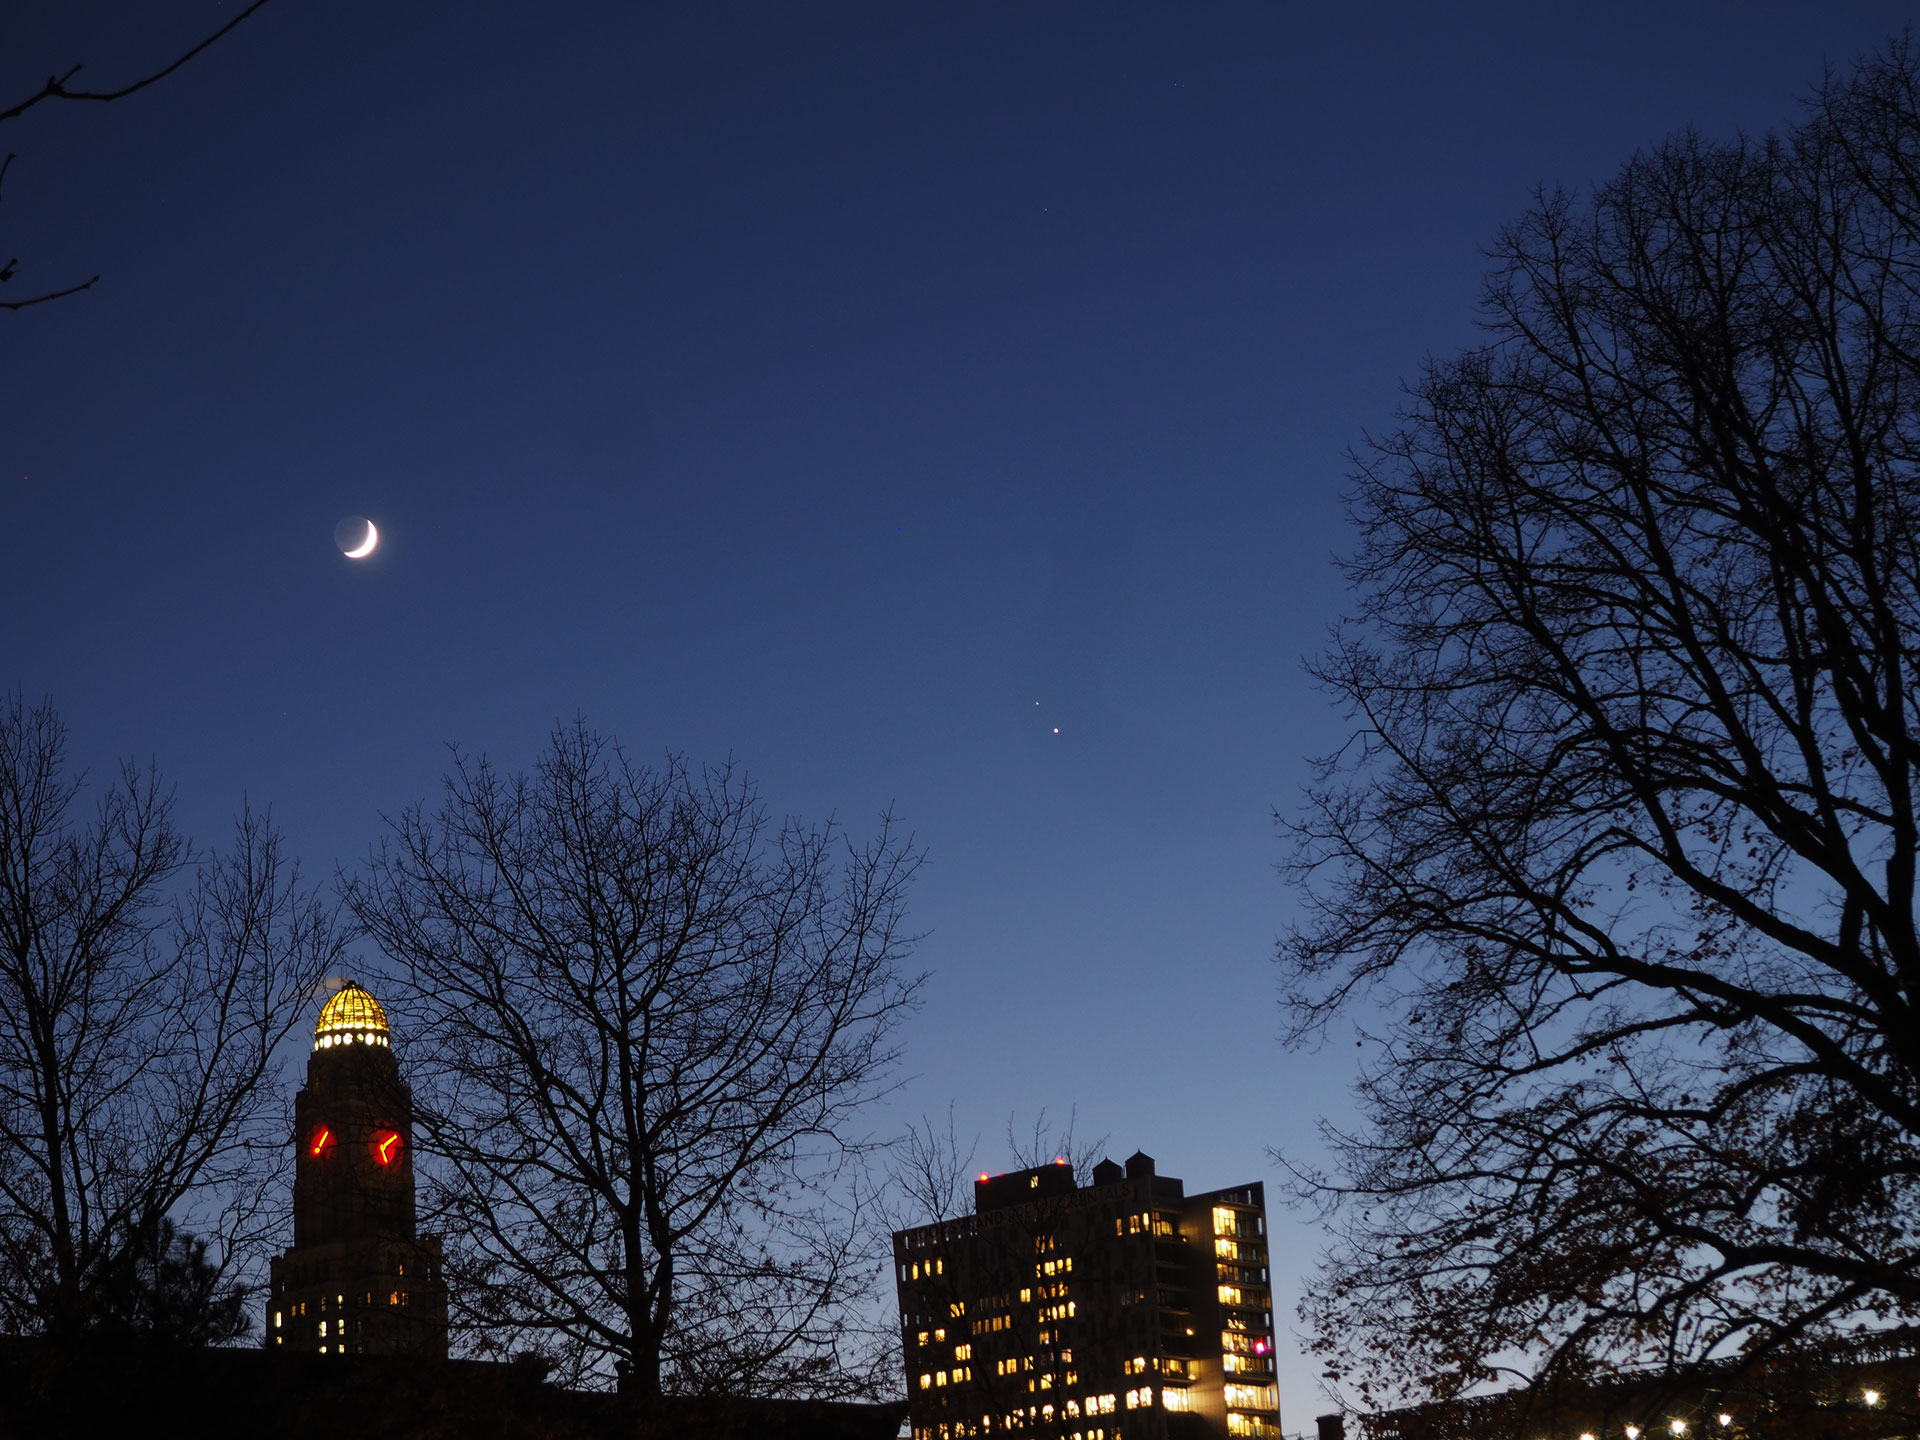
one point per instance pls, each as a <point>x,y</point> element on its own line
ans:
<point>1624,843</point>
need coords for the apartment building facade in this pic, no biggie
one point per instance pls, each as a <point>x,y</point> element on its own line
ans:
<point>1123,1309</point>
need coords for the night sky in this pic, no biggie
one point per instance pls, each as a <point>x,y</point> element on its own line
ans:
<point>936,407</point>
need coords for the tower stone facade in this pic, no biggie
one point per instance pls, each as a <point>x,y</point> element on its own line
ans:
<point>358,1280</point>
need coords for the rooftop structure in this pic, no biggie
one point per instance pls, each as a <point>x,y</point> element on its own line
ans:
<point>352,1016</point>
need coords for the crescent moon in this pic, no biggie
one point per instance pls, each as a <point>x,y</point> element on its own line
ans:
<point>365,547</point>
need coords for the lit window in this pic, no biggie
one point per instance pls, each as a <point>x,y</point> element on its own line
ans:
<point>926,1382</point>
<point>323,1329</point>
<point>276,1319</point>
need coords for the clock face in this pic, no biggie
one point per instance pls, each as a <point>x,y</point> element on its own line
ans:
<point>387,1145</point>
<point>320,1142</point>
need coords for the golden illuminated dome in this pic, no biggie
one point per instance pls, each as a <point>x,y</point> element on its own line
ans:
<point>351,1017</point>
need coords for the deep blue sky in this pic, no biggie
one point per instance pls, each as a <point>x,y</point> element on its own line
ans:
<point>819,384</point>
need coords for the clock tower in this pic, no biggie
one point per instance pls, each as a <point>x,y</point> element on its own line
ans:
<point>358,1280</point>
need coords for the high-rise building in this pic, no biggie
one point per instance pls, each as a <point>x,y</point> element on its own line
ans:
<point>358,1280</point>
<point>1120,1310</point>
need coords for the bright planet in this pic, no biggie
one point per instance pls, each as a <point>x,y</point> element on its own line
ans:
<point>356,536</point>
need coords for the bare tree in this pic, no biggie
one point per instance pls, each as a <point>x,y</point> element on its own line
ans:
<point>1045,1144</point>
<point>139,1019</point>
<point>644,1020</point>
<point>63,87</point>
<point>931,1179</point>
<point>1624,848</point>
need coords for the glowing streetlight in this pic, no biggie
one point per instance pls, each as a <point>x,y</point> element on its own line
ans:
<point>1676,1427</point>
<point>1872,1397</point>
<point>1633,1432</point>
<point>1724,1418</point>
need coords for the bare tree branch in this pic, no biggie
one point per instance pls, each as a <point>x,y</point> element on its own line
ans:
<point>142,999</point>
<point>57,87</point>
<point>1624,848</point>
<point>647,1019</point>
